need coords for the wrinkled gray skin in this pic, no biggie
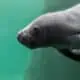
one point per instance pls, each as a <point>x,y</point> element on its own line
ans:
<point>60,30</point>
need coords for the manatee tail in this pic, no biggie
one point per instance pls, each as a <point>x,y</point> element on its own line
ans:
<point>67,53</point>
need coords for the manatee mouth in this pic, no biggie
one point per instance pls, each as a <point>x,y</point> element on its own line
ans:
<point>26,41</point>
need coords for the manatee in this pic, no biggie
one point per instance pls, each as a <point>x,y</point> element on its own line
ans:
<point>60,30</point>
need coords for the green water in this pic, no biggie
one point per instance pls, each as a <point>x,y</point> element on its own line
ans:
<point>17,61</point>
<point>14,15</point>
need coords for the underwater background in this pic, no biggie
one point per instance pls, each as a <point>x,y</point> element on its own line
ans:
<point>20,63</point>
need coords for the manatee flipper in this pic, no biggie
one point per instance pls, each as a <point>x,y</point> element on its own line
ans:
<point>69,54</point>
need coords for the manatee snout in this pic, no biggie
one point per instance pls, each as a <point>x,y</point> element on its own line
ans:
<point>22,38</point>
<point>28,37</point>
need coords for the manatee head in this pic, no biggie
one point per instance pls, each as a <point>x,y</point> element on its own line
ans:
<point>41,32</point>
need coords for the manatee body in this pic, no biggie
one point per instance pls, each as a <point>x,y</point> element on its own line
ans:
<point>60,30</point>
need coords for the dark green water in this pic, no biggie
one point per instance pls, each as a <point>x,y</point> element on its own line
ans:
<point>16,60</point>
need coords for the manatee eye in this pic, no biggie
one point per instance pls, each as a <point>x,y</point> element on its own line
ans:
<point>36,31</point>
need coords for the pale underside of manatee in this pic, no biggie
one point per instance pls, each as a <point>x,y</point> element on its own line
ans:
<point>60,30</point>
